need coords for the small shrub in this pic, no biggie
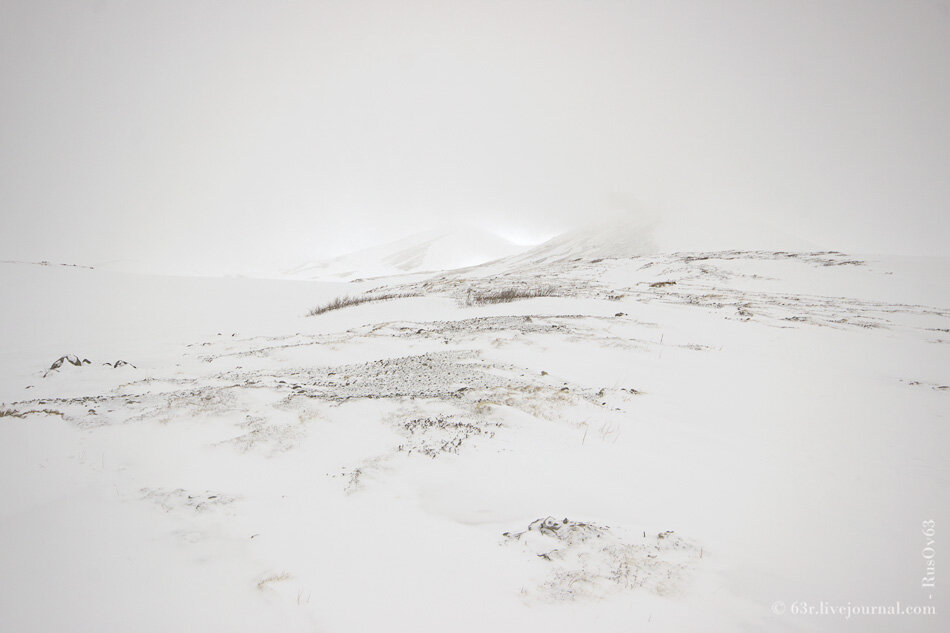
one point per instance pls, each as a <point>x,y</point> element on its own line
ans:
<point>345,302</point>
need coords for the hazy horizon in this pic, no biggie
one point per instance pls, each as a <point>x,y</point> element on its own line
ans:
<point>241,136</point>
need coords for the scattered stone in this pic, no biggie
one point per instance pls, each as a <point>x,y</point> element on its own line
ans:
<point>432,436</point>
<point>181,499</point>
<point>588,560</point>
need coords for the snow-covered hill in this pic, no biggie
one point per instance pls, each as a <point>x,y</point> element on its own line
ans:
<point>666,442</point>
<point>433,250</point>
<point>643,236</point>
<point>615,239</point>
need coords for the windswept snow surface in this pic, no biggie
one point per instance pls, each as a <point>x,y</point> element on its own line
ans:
<point>676,442</point>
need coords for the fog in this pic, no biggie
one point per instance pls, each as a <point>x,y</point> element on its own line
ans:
<point>234,137</point>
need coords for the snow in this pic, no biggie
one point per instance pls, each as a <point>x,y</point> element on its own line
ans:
<point>422,252</point>
<point>627,454</point>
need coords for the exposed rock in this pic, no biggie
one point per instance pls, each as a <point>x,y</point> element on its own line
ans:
<point>121,363</point>
<point>72,359</point>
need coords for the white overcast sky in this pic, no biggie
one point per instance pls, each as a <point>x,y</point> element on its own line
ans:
<point>227,135</point>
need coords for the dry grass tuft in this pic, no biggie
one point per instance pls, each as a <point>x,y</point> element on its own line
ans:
<point>345,302</point>
<point>267,580</point>
<point>13,413</point>
<point>509,294</point>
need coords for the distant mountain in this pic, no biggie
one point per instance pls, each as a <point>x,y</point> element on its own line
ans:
<point>427,251</point>
<point>457,248</point>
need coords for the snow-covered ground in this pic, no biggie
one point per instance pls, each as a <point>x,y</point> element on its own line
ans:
<point>677,442</point>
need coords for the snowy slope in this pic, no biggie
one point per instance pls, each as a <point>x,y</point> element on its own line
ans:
<point>426,251</point>
<point>667,442</point>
